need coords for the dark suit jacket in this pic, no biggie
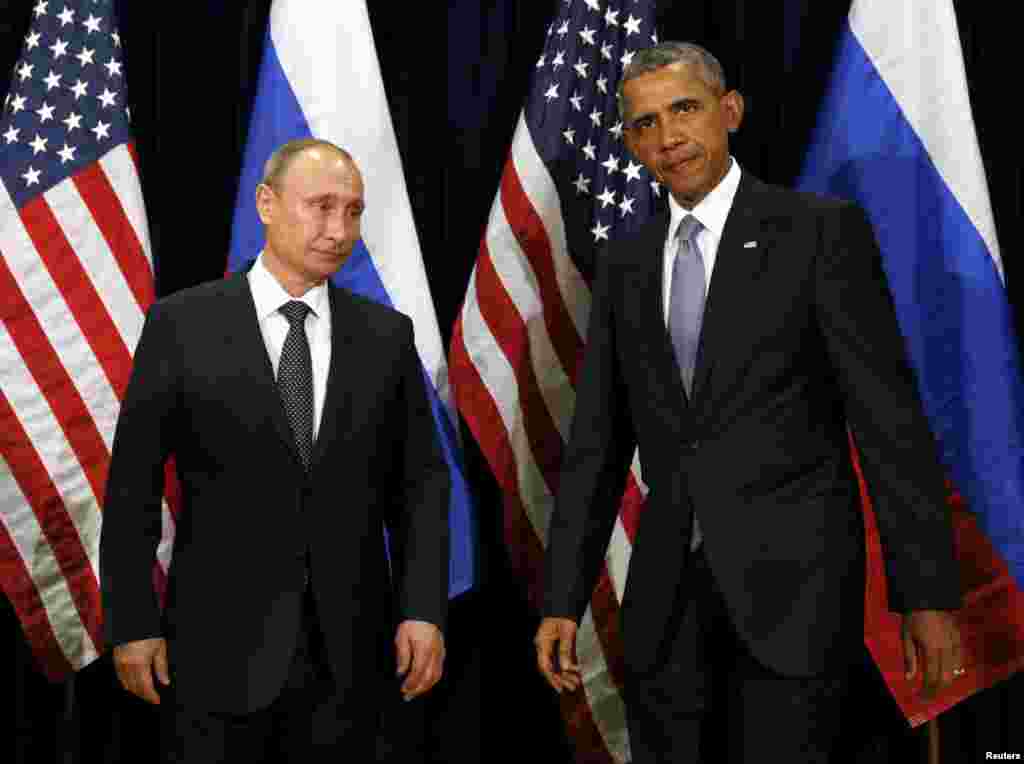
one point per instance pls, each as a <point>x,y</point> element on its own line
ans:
<point>799,339</point>
<point>203,390</point>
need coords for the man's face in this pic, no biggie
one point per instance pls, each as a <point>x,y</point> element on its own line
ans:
<point>312,218</point>
<point>677,126</point>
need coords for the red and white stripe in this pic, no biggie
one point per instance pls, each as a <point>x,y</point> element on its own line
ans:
<point>76,277</point>
<point>515,353</point>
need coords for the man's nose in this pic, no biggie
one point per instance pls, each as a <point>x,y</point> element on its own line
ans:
<point>673,131</point>
<point>338,225</point>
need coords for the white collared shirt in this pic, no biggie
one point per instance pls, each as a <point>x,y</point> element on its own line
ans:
<point>712,212</point>
<point>269,296</point>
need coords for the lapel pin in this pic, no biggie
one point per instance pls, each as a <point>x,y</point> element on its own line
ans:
<point>750,245</point>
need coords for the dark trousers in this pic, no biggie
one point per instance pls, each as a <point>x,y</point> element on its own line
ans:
<point>308,722</point>
<point>712,701</point>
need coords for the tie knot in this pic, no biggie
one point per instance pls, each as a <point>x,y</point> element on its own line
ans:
<point>688,229</point>
<point>295,311</point>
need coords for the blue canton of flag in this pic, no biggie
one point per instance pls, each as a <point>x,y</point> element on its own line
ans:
<point>66,105</point>
<point>574,120</point>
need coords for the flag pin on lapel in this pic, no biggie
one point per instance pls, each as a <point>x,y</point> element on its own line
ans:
<point>750,245</point>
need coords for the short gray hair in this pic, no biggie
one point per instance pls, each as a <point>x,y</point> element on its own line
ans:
<point>279,162</point>
<point>665,54</point>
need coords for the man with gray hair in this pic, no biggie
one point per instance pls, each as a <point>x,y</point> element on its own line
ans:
<point>734,339</point>
<point>298,418</point>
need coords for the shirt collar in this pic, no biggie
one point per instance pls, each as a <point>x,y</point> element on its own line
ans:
<point>714,208</point>
<point>268,294</point>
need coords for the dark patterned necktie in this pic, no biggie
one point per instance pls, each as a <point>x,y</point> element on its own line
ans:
<point>295,379</point>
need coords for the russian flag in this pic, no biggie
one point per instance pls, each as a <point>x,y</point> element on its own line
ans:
<point>895,133</point>
<point>320,77</point>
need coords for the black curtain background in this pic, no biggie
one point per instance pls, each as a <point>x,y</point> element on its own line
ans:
<point>192,74</point>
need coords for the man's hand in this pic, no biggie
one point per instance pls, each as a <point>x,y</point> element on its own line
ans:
<point>135,664</point>
<point>420,647</point>
<point>560,632</point>
<point>931,637</point>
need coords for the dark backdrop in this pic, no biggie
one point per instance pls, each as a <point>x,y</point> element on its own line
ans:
<point>192,72</point>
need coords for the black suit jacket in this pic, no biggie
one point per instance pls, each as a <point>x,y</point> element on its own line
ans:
<point>203,390</point>
<point>799,339</point>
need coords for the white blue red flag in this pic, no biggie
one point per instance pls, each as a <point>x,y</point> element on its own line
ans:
<point>567,188</point>
<point>320,78</point>
<point>76,278</point>
<point>895,133</point>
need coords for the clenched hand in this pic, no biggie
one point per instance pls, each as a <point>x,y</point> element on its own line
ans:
<point>135,664</point>
<point>420,648</point>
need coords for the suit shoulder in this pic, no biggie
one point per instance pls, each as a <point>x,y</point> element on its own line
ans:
<point>370,308</point>
<point>379,318</point>
<point>623,249</point>
<point>797,202</point>
<point>191,297</point>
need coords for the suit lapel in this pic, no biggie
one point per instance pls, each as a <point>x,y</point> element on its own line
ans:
<point>243,331</point>
<point>336,399</point>
<point>746,242</point>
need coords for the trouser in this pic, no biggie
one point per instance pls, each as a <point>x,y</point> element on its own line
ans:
<point>308,722</point>
<point>714,702</point>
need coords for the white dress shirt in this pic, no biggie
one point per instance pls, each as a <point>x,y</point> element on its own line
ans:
<point>269,296</point>
<point>712,212</point>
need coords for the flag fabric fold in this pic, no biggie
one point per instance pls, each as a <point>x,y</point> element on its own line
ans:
<point>320,78</point>
<point>567,187</point>
<point>895,133</point>
<point>76,277</point>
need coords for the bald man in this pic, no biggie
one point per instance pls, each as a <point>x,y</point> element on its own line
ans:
<point>299,422</point>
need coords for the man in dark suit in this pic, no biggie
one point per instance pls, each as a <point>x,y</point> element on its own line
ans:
<point>747,571</point>
<point>298,419</point>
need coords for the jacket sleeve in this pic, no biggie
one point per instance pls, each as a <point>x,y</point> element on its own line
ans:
<point>898,452</point>
<point>595,465</point>
<point>419,532</point>
<point>132,514</point>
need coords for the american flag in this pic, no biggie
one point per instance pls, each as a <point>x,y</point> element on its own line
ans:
<point>568,187</point>
<point>76,277</point>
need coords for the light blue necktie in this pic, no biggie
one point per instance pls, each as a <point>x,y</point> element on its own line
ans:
<point>686,309</point>
<point>686,313</point>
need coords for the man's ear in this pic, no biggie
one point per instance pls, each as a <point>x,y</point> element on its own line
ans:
<point>265,203</point>
<point>733,108</point>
